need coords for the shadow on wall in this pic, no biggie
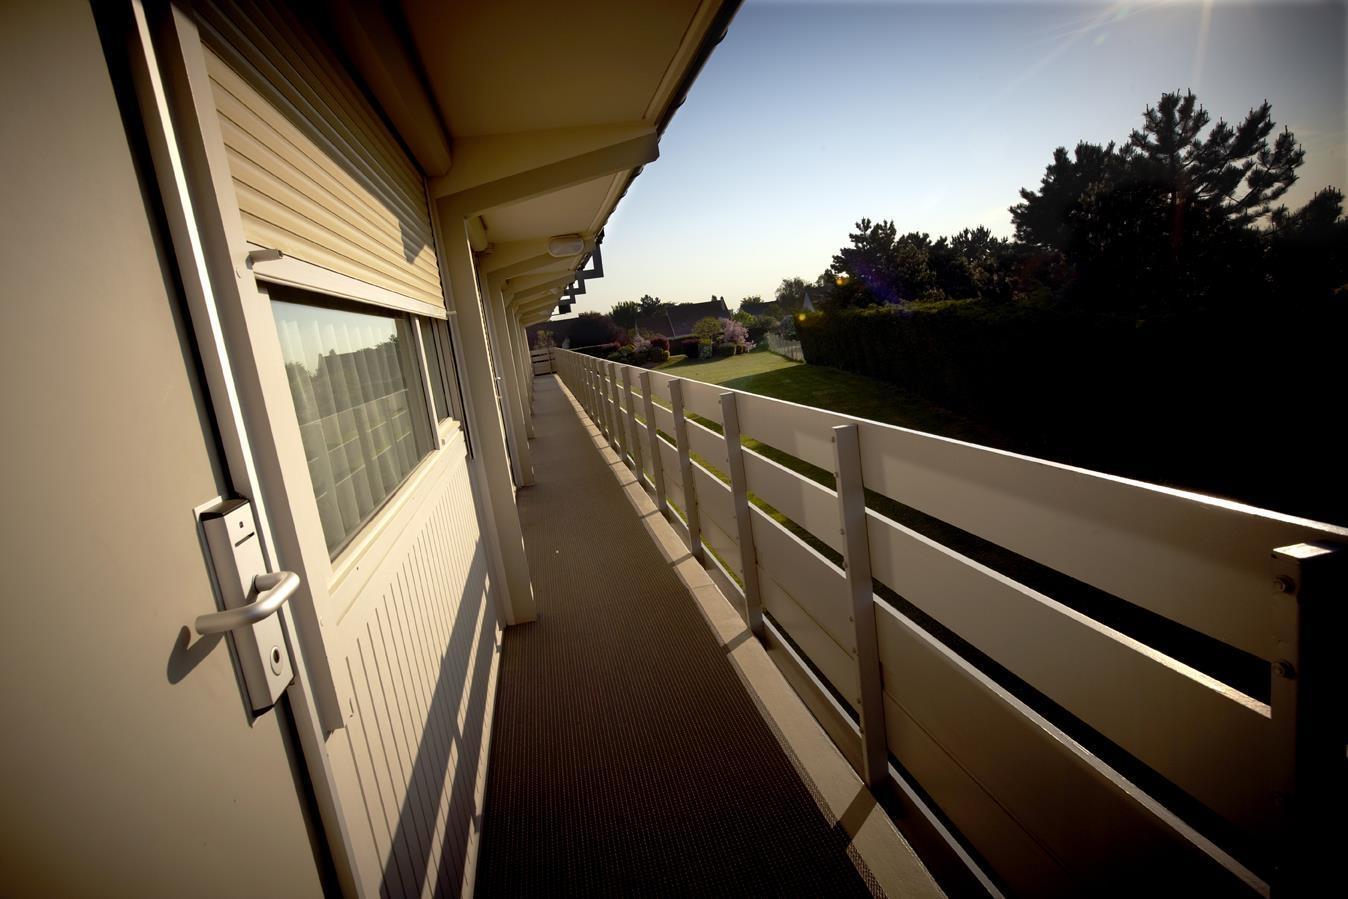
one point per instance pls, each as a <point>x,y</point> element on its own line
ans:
<point>444,740</point>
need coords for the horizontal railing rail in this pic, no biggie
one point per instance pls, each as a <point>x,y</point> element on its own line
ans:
<point>1067,753</point>
<point>541,360</point>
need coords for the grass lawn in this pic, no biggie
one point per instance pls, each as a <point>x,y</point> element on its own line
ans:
<point>771,375</point>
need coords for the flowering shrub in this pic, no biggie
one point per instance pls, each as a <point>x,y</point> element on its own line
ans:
<point>641,351</point>
<point>735,334</point>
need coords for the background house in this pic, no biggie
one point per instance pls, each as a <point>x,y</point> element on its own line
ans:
<point>677,320</point>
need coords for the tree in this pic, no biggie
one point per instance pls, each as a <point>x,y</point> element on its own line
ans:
<point>591,328</point>
<point>1169,215</point>
<point>972,264</point>
<point>1233,173</point>
<point>791,294</point>
<point>870,263</point>
<point>1308,249</point>
<point>708,328</point>
<point>625,314</point>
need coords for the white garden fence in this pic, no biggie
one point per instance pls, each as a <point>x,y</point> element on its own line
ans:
<point>783,347</point>
<point>939,705</point>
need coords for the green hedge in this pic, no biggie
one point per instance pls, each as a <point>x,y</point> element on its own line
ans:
<point>1242,404</point>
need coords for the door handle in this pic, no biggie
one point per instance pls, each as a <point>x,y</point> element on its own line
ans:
<point>273,590</point>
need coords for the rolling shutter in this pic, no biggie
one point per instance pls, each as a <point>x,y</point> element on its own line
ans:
<point>317,172</point>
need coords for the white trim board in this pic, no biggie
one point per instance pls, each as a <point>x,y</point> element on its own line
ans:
<point>293,272</point>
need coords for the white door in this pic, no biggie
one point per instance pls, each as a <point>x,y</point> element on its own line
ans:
<point>330,324</point>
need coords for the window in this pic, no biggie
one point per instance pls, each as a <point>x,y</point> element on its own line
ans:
<point>355,376</point>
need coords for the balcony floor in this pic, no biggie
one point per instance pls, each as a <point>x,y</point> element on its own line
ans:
<point>627,756</point>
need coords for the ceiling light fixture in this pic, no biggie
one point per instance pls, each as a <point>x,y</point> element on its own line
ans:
<point>566,245</point>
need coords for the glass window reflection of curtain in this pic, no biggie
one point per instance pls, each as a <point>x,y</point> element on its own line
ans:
<point>357,391</point>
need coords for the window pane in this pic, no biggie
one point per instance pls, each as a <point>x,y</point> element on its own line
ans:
<point>436,371</point>
<point>360,406</point>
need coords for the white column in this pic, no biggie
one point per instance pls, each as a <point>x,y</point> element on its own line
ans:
<point>487,430</point>
<point>508,371</point>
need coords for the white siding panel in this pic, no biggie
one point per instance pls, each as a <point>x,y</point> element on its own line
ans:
<point>419,648</point>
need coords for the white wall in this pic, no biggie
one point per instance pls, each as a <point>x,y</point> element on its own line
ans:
<point>129,764</point>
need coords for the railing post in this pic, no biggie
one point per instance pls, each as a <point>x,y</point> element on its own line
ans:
<point>1307,693</point>
<point>601,390</point>
<point>857,564</point>
<point>739,489</point>
<point>592,383</point>
<point>631,431</point>
<point>609,405</point>
<point>653,433</point>
<point>582,379</point>
<point>615,419</point>
<point>690,513</point>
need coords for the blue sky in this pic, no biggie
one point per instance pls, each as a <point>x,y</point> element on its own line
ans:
<point>811,115</point>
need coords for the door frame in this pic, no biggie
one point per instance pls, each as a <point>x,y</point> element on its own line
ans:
<point>158,51</point>
<point>249,394</point>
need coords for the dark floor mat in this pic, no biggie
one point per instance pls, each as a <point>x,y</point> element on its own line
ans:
<point>627,757</point>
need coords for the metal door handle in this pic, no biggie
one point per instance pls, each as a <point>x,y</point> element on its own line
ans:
<point>272,592</point>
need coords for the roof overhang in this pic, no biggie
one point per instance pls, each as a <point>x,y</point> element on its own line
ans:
<point>531,120</point>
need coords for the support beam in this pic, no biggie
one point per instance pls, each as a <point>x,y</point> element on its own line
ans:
<point>518,257</point>
<point>547,288</point>
<point>522,286</point>
<point>543,305</point>
<point>512,391</point>
<point>524,361</point>
<point>491,159</point>
<point>487,432</point>
<point>524,185</point>
<point>513,252</point>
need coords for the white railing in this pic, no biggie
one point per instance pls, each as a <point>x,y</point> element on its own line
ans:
<point>1043,812</point>
<point>541,360</point>
<point>783,347</point>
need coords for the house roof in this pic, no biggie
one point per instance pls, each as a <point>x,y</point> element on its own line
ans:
<point>678,320</point>
<point>761,307</point>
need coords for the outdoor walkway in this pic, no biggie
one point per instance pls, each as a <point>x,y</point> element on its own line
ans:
<point>627,757</point>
